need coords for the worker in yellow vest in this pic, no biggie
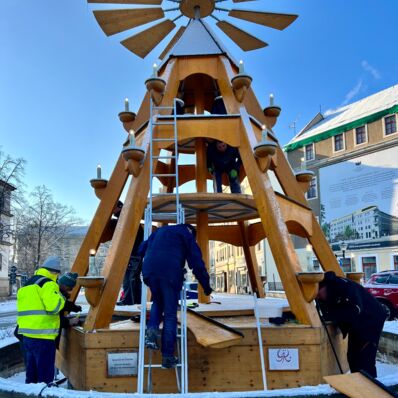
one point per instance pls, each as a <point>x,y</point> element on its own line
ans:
<point>39,303</point>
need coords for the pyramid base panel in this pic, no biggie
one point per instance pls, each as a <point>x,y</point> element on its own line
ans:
<point>303,353</point>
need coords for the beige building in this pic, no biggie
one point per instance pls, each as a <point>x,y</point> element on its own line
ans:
<point>353,152</point>
<point>5,236</point>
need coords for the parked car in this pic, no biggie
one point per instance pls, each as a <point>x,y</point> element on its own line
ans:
<point>384,286</point>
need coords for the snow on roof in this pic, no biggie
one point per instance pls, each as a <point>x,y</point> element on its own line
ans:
<point>380,101</point>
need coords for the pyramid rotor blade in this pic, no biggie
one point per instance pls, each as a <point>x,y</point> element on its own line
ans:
<point>243,39</point>
<point>179,33</point>
<point>270,19</point>
<point>144,42</point>
<point>149,2</point>
<point>116,21</point>
<point>241,1</point>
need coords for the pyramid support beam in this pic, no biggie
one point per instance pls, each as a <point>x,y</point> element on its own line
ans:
<point>318,240</point>
<point>100,221</point>
<point>271,216</point>
<point>251,260</point>
<point>122,243</point>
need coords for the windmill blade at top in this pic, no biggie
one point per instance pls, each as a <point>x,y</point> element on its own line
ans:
<point>149,2</point>
<point>144,42</point>
<point>243,39</point>
<point>241,1</point>
<point>116,21</point>
<point>270,19</point>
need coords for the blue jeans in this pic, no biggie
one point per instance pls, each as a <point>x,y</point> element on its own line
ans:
<point>39,355</point>
<point>233,182</point>
<point>164,307</point>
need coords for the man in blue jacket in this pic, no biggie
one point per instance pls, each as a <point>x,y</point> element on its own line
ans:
<point>165,254</point>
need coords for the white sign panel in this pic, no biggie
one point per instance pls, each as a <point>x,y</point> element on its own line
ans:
<point>359,197</point>
<point>283,358</point>
<point>122,363</point>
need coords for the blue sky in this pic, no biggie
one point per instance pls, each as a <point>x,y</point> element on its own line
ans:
<point>63,82</point>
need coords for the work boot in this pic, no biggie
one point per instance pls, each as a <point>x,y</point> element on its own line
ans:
<point>169,362</point>
<point>151,339</point>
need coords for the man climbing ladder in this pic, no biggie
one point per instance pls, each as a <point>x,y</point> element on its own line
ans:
<point>165,254</point>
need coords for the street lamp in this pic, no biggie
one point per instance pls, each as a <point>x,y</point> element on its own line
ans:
<point>343,247</point>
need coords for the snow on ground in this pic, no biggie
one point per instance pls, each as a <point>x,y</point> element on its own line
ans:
<point>391,327</point>
<point>8,306</point>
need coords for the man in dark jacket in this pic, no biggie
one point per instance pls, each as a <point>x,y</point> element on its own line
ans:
<point>131,280</point>
<point>165,253</point>
<point>356,313</point>
<point>222,158</point>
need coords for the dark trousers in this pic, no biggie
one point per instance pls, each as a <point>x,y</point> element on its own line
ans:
<point>164,307</point>
<point>39,355</point>
<point>132,282</point>
<point>233,182</point>
<point>361,355</point>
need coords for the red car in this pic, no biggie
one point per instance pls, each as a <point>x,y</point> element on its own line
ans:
<point>384,286</point>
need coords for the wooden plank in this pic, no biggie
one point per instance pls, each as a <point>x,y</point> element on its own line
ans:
<point>355,385</point>
<point>208,334</point>
<point>206,127</point>
<point>278,236</point>
<point>251,261</point>
<point>226,233</point>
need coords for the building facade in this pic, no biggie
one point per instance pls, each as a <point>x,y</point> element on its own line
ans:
<point>5,236</point>
<point>353,152</point>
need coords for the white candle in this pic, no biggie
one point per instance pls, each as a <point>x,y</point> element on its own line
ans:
<point>99,172</point>
<point>264,133</point>
<point>126,105</point>
<point>91,262</point>
<point>271,99</point>
<point>132,137</point>
<point>154,70</point>
<point>241,67</point>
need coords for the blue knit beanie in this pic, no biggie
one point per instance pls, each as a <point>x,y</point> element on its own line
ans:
<point>68,279</point>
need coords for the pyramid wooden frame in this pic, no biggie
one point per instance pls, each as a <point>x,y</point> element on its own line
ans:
<point>280,215</point>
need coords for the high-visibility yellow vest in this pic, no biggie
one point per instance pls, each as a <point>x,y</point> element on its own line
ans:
<point>39,303</point>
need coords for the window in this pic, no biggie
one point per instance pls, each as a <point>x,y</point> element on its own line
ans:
<point>338,142</point>
<point>360,135</point>
<point>390,125</point>
<point>381,279</point>
<point>369,266</point>
<point>393,279</point>
<point>395,261</point>
<point>312,191</point>
<point>309,152</point>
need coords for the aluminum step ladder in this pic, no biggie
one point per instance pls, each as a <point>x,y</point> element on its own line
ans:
<point>177,215</point>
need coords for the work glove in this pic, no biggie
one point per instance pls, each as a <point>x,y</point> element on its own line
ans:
<point>71,307</point>
<point>73,321</point>
<point>233,173</point>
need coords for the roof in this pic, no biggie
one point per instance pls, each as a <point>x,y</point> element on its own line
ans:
<point>198,39</point>
<point>347,117</point>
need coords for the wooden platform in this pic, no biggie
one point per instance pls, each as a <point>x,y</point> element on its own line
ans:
<point>83,358</point>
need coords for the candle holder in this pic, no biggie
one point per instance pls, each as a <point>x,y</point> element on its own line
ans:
<point>304,178</point>
<point>272,111</point>
<point>127,117</point>
<point>354,276</point>
<point>309,283</point>
<point>240,84</point>
<point>93,286</point>
<point>99,184</point>
<point>133,156</point>
<point>156,87</point>
<point>264,151</point>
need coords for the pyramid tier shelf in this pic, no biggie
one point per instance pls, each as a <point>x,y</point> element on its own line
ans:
<point>227,207</point>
